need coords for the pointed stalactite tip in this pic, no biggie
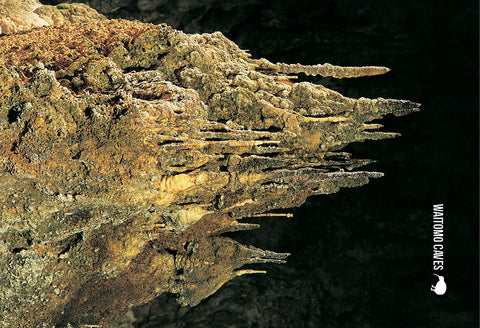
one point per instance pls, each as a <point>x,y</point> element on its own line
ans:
<point>329,70</point>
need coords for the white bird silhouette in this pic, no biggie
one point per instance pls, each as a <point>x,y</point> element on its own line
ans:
<point>441,287</point>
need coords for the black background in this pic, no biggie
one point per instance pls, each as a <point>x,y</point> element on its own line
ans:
<point>361,257</point>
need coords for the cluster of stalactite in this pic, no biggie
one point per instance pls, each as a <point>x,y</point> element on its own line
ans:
<point>127,149</point>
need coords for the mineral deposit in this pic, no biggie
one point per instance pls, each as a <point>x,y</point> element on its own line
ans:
<point>17,16</point>
<point>127,149</point>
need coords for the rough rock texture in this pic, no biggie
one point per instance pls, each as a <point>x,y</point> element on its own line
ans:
<point>126,149</point>
<point>17,16</point>
<point>331,285</point>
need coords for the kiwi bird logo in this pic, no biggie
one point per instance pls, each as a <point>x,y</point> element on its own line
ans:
<point>440,287</point>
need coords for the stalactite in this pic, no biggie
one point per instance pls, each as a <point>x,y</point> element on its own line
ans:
<point>126,149</point>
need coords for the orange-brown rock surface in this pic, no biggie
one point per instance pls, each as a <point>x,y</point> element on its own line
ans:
<point>126,149</point>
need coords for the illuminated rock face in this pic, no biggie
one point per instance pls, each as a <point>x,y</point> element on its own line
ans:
<point>126,149</point>
<point>17,16</point>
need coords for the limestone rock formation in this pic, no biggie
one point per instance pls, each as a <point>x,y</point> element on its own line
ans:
<point>127,149</point>
<point>17,16</point>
